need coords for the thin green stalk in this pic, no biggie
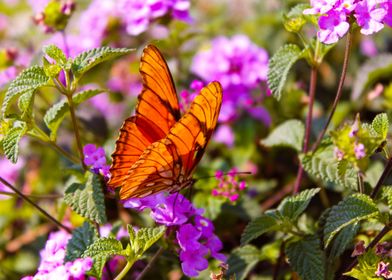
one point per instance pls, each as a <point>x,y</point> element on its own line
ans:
<point>25,198</point>
<point>76,130</point>
<point>125,270</point>
<point>339,90</point>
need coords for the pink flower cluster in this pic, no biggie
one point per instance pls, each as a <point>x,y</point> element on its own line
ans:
<point>370,15</point>
<point>194,233</point>
<point>228,187</point>
<point>52,264</point>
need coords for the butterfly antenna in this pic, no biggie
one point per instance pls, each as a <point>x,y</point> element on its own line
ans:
<point>225,174</point>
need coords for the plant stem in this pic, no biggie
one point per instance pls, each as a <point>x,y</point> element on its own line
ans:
<point>150,264</point>
<point>308,125</point>
<point>380,235</point>
<point>24,197</point>
<point>280,261</point>
<point>339,90</point>
<point>383,176</point>
<point>124,271</point>
<point>76,130</point>
<point>34,196</point>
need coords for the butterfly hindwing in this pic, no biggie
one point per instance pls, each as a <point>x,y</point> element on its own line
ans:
<point>156,112</point>
<point>168,164</point>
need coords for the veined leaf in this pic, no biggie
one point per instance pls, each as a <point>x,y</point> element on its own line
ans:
<point>324,165</point>
<point>55,53</point>
<point>380,125</point>
<point>242,260</point>
<point>343,240</point>
<point>143,239</point>
<point>268,221</point>
<point>28,80</point>
<point>306,258</point>
<point>351,210</point>
<point>293,206</point>
<point>25,104</point>
<point>290,133</point>
<point>387,193</point>
<point>55,115</point>
<point>88,59</point>
<point>100,251</point>
<point>11,140</point>
<point>87,199</point>
<point>82,237</point>
<point>279,67</point>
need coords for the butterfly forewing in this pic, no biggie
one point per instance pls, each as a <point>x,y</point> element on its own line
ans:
<point>168,164</point>
<point>156,112</point>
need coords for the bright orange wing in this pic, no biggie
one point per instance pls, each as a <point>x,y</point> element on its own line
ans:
<point>156,112</point>
<point>168,164</point>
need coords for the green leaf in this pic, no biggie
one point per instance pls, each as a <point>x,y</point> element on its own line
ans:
<point>293,206</point>
<point>84,95</point>
<point>55,115</point>
<point>144,239</point>
<point>374,69</point>
<point>88,59</point>
<point>290,133</point>
<point>268,221</point>
<point>387,193</point>
<point>242,260</point>
<point>11,140</point>
<point>343,240</point>
<point>55,53</point>
<point>306,258</point>
<point>380,125</point>
<point>279,66</point>
<point>351,210</point>
<point>25,104</point>
<point>82,237</point>
<point>100,251</point>
<point>324,165</point>
<point>28,80</point>
<point>87,199</point>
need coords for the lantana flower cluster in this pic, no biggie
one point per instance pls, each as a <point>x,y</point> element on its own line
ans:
<point>229,186</point>
<point>334,21</point>
<point>52,264</point>
<point>95,158</point>
<point>241,67</point>
<point>132,16</point>
<point>193,232</point>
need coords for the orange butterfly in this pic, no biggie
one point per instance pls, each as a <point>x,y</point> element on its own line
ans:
<point>157,149</point>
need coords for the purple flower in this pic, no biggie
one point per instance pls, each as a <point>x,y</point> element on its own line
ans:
<point>333,26</point>
<point>95,157</point>
<point>224,134</point>
<point>239,65</point>
<point>320,7</point>
<point>383,270</point>
<point>194,233</point>
<point>78,267</point>
<point>359,249</point>
<point>359,150</point>
<point>187,237</point>
<point>387,5</point>
<point>369,16</point>
<point>368,47</point>
<point>193,261</point>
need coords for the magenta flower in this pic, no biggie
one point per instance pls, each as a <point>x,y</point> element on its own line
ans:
<point>320,7</point>
<point>95,158</point>
<point>387,5</point>
<point>194,233</point>
<point>228,187</point>
<point>224,134</point>
<point>333,26</point>
<point>369,16</point>
<point>193,261</point>
<point>359,249</point>
<point>188,236</point>
<point>239,65</point>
